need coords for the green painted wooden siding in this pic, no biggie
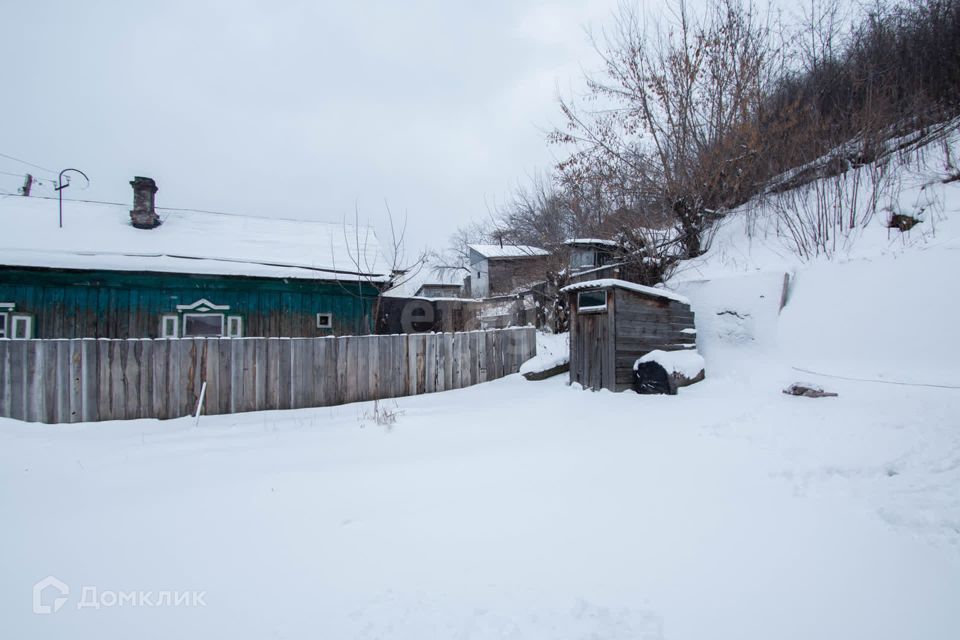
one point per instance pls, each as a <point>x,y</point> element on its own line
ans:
<point>116,304</point>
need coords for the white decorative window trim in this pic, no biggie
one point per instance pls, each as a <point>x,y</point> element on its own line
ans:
<point>8,306</point>
<point>4,323</point>
<point>234,327</point>
<point>202,306</point>
<point>20,319</point>
<point>169,326</point>
<point>324,320</point>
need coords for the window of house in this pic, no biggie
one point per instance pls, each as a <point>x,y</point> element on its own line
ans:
<point>202,325</point>
<point>21,327</point>
<point>201,319</point>
<point>592,301</point>
<point>168,326</point>
<point>5,310</point>
<point>582,258</point>
<point>234,326</point>
<point>324,321</point>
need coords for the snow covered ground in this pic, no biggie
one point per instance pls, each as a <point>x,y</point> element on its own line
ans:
<point>520,509</point>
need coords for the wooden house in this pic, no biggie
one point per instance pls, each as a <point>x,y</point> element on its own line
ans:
<point>439,290</point>
<point>504,269</point>
<point>588,254</point>
<point>112,272</point>
<point>614,322</point>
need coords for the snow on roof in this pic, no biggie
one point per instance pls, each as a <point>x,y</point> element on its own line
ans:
<point>428,275</point>
<point>508,250</point>
<point>100,236</point>
<point>605,283</point>
<point>606,243</point>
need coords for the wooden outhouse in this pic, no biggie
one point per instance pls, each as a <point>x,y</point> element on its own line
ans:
<point>614,322</point>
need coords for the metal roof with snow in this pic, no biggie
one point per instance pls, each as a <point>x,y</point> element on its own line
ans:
<point>100,236</point>
<point>494,251</point>
<point>607,283</point>
<point>590,241</point>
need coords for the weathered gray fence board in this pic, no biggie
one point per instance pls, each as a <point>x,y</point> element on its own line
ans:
<point>5,374</point>
<point>302,355</point>
<point>248,376</point>
<point>89,380</point>
<point>323,371</point>
<point>373,367</point>
<point>342,370</point>
<point>433,362</point>
<point>173,385</point>
<point>445,374</point>
<point>262,371</point>
<point>49,365</point>
<point>34,373</point>
<point>133,374</point>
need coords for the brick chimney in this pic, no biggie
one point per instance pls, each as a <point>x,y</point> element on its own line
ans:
<point>144,215</point>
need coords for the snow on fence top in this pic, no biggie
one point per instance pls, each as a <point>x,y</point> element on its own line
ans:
<point>100,236</point>
<point>605,283</point>
<point>507,250</point>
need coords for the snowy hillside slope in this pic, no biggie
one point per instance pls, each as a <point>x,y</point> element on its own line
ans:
<point>519,509</point>
<point>762,235</point>
<point>877,304</point>
<point>874,320</point>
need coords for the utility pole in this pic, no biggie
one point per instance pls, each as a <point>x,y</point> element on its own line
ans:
<point>27,185</point>
<point>61,185</point>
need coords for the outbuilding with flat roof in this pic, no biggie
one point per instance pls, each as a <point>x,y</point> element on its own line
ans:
<point>614,322</point>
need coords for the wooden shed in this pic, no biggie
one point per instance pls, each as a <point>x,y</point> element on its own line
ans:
<point>614,322</point>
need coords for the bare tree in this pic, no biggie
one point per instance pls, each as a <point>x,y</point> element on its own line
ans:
<point>455,257</point>
<point>676,103</point>
<point>364,252</point>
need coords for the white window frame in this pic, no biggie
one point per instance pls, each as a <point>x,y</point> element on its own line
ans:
<point>166,318</point>
<point>15,319</point>
<point>328,324</point>
<point>234,326</point>
<point>223,321</point>
<point>594,308</point>
<point>6,308</point>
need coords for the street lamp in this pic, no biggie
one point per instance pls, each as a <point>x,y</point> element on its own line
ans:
<point>61,186</point>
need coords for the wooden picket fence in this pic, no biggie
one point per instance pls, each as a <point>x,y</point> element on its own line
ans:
<point>85,380</point>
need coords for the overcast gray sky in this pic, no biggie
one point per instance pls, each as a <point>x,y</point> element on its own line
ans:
<point>293,109</point>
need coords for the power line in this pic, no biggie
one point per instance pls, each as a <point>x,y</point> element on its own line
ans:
<point>29,164</point>
<point>117,204</point>
<point>35,182</point>
<point>897,382</point>
<point>217,213</point>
